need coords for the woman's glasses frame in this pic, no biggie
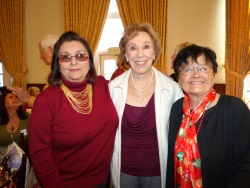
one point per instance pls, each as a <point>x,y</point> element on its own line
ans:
<point>187,71</point>
<point>68,58</point>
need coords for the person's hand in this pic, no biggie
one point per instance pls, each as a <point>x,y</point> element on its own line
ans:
<point>20,93</point>
<point>12,185</point>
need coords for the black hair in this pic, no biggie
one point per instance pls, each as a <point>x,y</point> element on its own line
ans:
<point>4,117</point>
<point>194,51</point>
<point>3,89</point>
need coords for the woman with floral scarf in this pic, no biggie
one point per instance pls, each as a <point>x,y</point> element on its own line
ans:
<point>209,133</point>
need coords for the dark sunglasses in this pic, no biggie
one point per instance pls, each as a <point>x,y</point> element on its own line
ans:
<point>68,58</point>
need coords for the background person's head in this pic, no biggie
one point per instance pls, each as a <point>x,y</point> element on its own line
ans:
<point>46,46</point>
<point>178,48</point>
<point>122,64</point>
<point>71,51</point>
<point>33,91</point>
<point>132,31</point>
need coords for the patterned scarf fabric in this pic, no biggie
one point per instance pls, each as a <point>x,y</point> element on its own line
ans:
<point>187,155</point>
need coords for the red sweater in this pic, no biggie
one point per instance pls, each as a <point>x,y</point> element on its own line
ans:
<point>69,149</point>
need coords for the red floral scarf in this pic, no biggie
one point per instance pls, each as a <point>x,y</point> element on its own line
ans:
<point>187,156</point>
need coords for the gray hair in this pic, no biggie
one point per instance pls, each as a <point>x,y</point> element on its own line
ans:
<point>48,41</point>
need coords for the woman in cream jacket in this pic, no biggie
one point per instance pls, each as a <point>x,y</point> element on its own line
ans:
<point>143,98</point>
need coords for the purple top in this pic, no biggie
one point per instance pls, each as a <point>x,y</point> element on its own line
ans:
<point>140,155</point>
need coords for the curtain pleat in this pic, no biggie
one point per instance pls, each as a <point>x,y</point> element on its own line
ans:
<point>87,18</point>
<point>12,40</point>
<point>237,58</point>
<point>152,11</point>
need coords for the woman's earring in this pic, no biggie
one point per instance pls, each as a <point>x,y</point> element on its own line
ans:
<point>126,57</point>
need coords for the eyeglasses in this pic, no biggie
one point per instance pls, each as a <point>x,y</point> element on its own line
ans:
<point>68,58</point>
<point>190,70</point>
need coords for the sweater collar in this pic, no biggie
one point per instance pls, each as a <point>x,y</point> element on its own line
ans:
<point>75,86</point>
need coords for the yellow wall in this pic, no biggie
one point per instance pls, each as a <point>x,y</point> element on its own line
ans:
<point>197,21</point>
<point>201,22</point>
<point>42,18</point>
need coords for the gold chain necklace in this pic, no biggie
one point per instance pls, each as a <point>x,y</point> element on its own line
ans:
<point>80,101</point>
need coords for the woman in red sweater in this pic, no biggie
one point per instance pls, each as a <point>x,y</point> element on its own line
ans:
<point>73,122</point>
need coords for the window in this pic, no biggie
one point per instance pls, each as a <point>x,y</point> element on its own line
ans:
<point>110,38</point>
<point>107,65</point>
<point>5,78</point>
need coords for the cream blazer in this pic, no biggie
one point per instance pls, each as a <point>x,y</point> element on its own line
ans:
<point>166,93</point>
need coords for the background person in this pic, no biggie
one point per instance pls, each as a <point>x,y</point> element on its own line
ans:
<point>12,120</point>
<point>143,98</point>
<point>122,66</point>
<point>208,132</point>
<point>32,91</point>
<point>71,141</point>
<point>46,47</point>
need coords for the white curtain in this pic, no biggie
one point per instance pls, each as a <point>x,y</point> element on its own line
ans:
<point>7,79</point>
